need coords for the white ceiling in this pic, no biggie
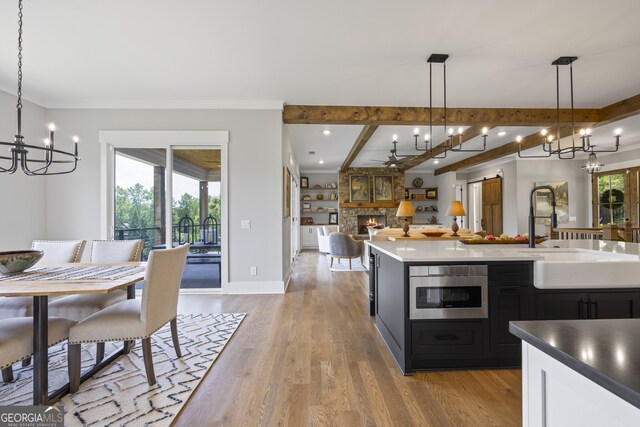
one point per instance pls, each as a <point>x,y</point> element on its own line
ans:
<point>335,52</point>
<point>194,53</point>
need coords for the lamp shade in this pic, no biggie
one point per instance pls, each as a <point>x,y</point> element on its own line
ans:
<point>456,209</point>
<point>405,209</point>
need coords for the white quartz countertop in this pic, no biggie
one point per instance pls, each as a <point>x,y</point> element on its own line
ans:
<point>558,264</point>
<point>455,251</point>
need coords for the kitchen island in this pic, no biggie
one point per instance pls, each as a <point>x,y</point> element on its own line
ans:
<point>446,305</point>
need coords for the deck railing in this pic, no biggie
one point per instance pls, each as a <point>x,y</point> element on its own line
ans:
<point>613,232</point>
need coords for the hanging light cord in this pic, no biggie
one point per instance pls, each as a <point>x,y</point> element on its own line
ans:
<point>19,104</point>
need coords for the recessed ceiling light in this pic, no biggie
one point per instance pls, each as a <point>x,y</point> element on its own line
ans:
<point>435,162</point>
<point>502,133</point>
<point>327,132</point>
<point>321,161</point>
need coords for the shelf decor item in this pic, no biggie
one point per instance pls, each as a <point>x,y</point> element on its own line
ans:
<point>304,182</point>
<point>306,197</point>
<point>417,182</point>
<point>319,196</point>
<point>432,193</point>
<point>306,220</point>
<point>359,188</point>
<point>333,218</point>
<point>383,188</point>
<point>332,185</point>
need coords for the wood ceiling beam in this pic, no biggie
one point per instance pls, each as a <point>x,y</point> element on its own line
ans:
<point>468,134</point>
<point>364,137</point>
<point>369,115</point>
<point>529,141</point>
<point>620,110</point>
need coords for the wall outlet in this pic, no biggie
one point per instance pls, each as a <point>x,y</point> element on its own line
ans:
<point>254,271</point>
<point>245,223</point>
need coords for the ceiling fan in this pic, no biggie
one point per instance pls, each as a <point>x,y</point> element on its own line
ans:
<point>395,160</point>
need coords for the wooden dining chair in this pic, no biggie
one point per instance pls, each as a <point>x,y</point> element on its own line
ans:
<point>16,340</point>
<point>55,252</point>
<point>77,307</point>
<point>136,318</point>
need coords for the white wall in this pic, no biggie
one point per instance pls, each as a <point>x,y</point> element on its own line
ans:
<point>541,170</point>
<point>23,202</point>
<point>446,190</point>
<point>289,161</point>
<point>255,182</point>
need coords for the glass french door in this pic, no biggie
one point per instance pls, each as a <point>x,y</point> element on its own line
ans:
<point>146,179</point>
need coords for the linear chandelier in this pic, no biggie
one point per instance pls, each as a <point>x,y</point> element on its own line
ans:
<point>454,140</point>
<point>54,161</point>
<point>551,144</point>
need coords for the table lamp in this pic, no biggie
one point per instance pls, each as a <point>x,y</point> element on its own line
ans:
<point>455,210</point>
<point>405,209</point>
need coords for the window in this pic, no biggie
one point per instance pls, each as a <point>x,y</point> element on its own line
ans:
<point>611,190</point>
<point>615,197</point>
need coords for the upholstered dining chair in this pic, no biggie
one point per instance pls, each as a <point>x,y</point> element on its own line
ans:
<point>136,318</point>
<point>344,246</point>
<point>16,340</point>
<point>59,251</point>
<point>55,252</point>
<point>77,307</point>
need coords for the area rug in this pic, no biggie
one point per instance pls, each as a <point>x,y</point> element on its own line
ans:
<point>344,265</point>
<point>119,394</point>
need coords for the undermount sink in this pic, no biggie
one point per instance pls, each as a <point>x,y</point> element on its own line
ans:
<point>583,268</point>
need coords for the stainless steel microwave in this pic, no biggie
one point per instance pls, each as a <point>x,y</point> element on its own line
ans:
<point>448,292</point>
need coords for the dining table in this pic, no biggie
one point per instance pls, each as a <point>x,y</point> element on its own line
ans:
<point>62,280</point>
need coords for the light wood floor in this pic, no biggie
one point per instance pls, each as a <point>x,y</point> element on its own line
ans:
<point>313,357</point>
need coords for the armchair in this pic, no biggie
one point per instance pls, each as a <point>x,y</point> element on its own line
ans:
<point>323,237</point>
<point>344,246</point>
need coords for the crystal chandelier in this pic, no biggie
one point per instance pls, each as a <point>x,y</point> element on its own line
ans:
<point>551,144</point>
<point>54,161</point>
<point>593,165</point>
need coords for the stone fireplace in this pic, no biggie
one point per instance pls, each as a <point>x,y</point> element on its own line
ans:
<point>350,212</point>
<point>366,221</point>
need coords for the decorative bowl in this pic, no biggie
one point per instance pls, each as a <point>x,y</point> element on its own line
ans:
<point>434,233</point>
<point>17,261</point>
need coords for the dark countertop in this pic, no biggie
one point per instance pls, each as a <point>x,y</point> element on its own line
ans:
<point>605,351</point>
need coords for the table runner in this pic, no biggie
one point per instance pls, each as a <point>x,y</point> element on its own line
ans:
<point>79,273</point>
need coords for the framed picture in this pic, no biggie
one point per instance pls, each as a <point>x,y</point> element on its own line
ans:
<point>333,218</point>
<point>359,188</point>
<point>542,202</point>
<point>304,182</point>
<point>383,188</point>
<point>432,193</point>
<point>286,192</point>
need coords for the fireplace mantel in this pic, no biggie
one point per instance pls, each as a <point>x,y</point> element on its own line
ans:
<point>369,204</point>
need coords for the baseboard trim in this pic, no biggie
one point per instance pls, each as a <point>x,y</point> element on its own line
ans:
<point>275,287</point>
